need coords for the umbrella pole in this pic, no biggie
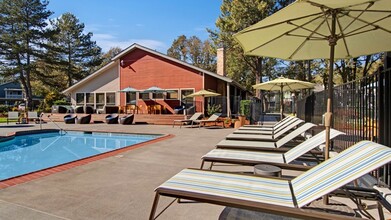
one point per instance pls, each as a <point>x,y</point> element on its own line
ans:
<point>282,102</point>
<point>329,113</point>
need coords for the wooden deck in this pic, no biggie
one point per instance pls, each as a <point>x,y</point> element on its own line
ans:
<point>158,119</point>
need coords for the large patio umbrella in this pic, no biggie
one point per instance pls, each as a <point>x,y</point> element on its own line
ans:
<point>203,93</point>
<point>328,29</point>
<point>283,84</point>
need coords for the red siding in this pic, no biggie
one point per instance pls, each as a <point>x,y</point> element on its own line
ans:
<point>142,70</point>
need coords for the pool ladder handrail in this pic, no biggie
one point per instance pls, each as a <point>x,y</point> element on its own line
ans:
<point>61,130</point>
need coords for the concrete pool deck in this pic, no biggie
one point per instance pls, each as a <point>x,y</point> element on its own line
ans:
<point>116,187</point>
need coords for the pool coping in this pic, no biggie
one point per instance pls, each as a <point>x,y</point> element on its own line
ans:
<point>62,167</point>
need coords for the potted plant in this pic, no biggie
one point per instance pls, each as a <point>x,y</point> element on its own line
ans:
<point>227,122</point>
<point>244,111</point>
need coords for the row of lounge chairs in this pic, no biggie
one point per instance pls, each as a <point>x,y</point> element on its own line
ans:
<point>289,197</point>
<point>194,119</point>
<point>110,119</point>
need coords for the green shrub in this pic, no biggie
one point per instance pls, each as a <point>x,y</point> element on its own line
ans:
<point>60,102</point>
<point>4,109</point>
<point>245,108</point>
<point>213,109</point>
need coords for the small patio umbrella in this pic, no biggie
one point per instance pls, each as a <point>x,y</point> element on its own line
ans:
<point>283,84</point>
<point>203,93</point>
<point>155,89</point>
<point>328,29</point>
<point>129,89</point>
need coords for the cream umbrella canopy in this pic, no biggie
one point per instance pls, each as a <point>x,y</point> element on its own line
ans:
<point>203,93</point>
<point>283,84</point>
<point>328,29</point>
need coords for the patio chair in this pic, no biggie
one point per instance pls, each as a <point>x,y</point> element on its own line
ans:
<point>286,127</point>
<point>281,159</point>
<point>112,119</point>
<point>213,118</point>
<point>70,119</point>
<point>89,109</point>
<point>276,195</point>
<point>265,145</point>
<point>263,137</point>
<point>84,119</point>
<point>79,109</point>
<point>126,120</point>
<point>190,120</point>
<point>32,115</point>
<point>12,116</point>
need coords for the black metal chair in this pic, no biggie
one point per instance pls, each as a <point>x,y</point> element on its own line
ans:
<point>84,120</point>
<point>127,120</point>
<point>88,110</point>
<point>70,119</point>
<point>112,119</point>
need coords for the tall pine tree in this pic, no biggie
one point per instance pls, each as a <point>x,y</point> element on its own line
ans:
<point>23,38</point>
<point>76,54</point>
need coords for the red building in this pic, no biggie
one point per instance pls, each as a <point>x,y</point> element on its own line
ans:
<point>140,68</point>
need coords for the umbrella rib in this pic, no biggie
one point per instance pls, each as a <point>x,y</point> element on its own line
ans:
<point>286,33</point>
<point>278,23</point>
<point>308,38</point>
<point>370,4</point>
<point>343,38</point>
<point>375,27</point>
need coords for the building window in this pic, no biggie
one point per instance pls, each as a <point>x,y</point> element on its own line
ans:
<point>186,92</point>
<point>100,100</point>
<point>172,94</point>
<point>143,95</point>
<point>110,98</point>
<point>90,98</point>
<point>131,98</point>
<point>80,98</point>
<point>157,95</point>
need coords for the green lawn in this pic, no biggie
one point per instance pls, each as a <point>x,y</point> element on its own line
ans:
<point>4,120</point>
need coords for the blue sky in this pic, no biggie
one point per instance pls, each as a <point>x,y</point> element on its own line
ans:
<point>151,23</point>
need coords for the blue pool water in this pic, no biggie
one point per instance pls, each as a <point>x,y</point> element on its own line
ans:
<point>28,153</point>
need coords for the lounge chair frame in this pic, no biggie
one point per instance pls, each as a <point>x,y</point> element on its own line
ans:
<point>286,157</point>
<point>195,116</point>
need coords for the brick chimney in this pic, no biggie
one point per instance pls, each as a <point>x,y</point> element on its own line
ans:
<point>221,61</point>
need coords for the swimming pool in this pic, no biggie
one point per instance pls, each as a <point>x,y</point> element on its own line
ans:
<point>32,152</point>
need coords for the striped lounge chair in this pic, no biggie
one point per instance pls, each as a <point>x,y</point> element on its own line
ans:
<point>262,137</point>
<point>267,126</point>
<point>272,195</point>
<point>281,159</point>
<point>265,145</point>
<point>282,129</point>
<point>286,121</point>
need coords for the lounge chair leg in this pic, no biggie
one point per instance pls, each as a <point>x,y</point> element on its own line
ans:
<point>202,164</point>
<point>211,165</point>
<point>154,206</point>
<point>380,210</point>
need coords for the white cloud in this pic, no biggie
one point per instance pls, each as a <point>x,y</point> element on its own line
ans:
<point>107,41</point>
